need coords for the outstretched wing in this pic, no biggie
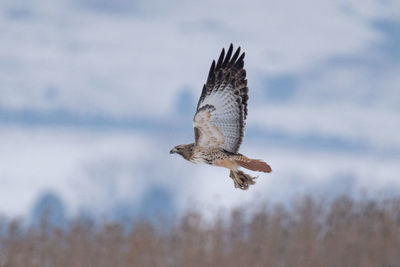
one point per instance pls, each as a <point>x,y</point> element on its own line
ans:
<point>222,108</point>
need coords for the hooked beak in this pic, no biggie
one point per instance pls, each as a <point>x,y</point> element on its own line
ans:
<point>172,151</point>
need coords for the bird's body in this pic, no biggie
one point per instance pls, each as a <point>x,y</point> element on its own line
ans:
<point>220,119</point>
<point>208,155</point>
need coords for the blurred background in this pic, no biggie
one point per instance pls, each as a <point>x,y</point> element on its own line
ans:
<point>94,94</point>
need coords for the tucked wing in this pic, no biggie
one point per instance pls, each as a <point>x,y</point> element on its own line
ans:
<point>222,108</point>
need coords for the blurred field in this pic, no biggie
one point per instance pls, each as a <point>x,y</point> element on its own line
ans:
<point>310,232</point>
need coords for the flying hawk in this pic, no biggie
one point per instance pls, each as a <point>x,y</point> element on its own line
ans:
<point>220,119</point>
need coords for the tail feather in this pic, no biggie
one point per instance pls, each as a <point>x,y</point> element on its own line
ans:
<point>254,165</point>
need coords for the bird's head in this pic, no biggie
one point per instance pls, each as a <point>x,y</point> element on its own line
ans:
<point>176,150</point>
<point>183,150</point>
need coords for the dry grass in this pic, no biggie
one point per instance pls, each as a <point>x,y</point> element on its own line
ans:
<point>309,233</point>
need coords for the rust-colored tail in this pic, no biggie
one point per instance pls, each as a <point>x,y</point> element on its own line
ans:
<point>254,164</point>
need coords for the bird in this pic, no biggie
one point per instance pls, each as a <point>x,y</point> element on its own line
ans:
<point>220,119</point>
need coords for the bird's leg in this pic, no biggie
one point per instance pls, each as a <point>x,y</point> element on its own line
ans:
<point>242,180</point>
<point>233,176</point>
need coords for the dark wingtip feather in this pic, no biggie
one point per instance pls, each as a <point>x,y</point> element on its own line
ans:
<point>235,56</point>
<point>221,57</point>
<point>240,63</point>
<point>211,72</point>
<point>242,56</point>
<point>228,56</point>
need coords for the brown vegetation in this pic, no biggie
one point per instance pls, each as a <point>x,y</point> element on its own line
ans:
<point>345,232</point>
